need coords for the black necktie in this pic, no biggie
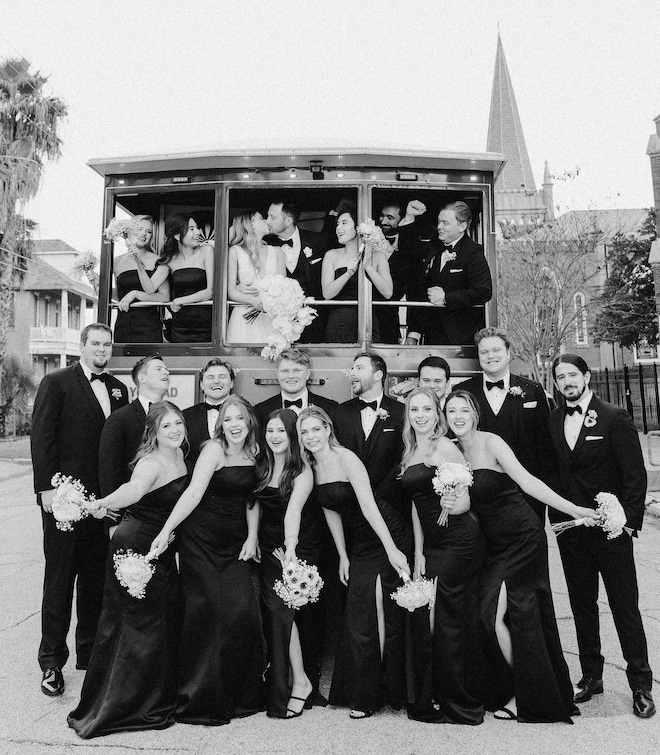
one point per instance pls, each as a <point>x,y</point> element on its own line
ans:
<point>368,405</point>
<point>570,410</point>
<point>288,404</point>
<point>496,384</point>
<point>212,406</point>
<point>102,376</point>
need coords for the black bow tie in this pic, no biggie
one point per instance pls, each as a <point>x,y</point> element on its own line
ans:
<point>288,404</point>
<point>447,248</point>
<point>570,410</point>
<point>102,376</point>
<point>497,384</point>
<point>368,405</point>
<point>286,242</point>
<point>212,406</point>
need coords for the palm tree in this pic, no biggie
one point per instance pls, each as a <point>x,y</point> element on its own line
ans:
<point>17,385</point>
<point>29,123</point>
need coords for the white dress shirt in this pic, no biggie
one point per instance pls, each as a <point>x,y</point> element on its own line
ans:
<point>304,396</point>
<point>291,253</point>
<point>100,390</point>
<point>573,423</point>
<point>496,396</point>
<point>368,416</point>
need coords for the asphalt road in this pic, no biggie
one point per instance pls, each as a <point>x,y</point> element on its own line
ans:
<point>32,724</point>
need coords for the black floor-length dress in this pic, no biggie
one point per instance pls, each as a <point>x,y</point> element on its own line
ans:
<point>278,618</point>
<point>361,679</point>
<point>516,555</point>
<point>221,654</point>
<point>439,664</point>
<point>191,324</point>
<point>130,684</point>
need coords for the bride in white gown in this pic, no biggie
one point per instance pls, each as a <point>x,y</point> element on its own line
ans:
<point>250,260</point>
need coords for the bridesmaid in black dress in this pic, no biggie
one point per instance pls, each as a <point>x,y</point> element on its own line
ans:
<point>190,264</point>
<point>132,270</point>
<point>285,483</point>
<point>442,639</point>
<point>130,684</point>
<point>221,654</point>
<point>528,677</point>
<point>369,666</point>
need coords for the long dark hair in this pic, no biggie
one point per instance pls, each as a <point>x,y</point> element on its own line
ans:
<point>157,412</point>
<point>293,462</point>
<point>175,225</point>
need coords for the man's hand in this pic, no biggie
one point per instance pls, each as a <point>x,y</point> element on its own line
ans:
<point>47,501</point>
<point>415,208</point>
<point>436,296</point>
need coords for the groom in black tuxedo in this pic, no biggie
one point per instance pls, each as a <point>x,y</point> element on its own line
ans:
<point>598,451</point>
<point>304,258</point>
<point>70,410</point>
<point>456,280</point>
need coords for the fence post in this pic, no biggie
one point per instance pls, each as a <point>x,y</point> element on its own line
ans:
<point>607,385</point>
<point>626,387</point>
<point>657,392</point>
<point>642,398</point>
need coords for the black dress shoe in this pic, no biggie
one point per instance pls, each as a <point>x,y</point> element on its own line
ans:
<point>587,687</point>
<point>643,705</point>
<point>52,682</point>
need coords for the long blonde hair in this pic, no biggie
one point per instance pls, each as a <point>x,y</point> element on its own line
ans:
<point>251,445</point>
<point>409,437</point>
<point>157,412</point>
<point>316,411</point>
<point>242,234</point>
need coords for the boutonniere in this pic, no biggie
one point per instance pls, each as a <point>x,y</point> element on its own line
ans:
<point>382,414</point>
<point>591,418</point>
<point>448,256</point>
<point>116,394</point>
<point>307,252</point>
<point>516,390</point>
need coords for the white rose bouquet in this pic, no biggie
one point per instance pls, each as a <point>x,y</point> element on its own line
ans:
<point>611,512</point>
<point>133,571</point>
<point>300,583</point>
<point>414,594</point>
<point>71,502</point>
<point>451,477</point>
<point>122,229</point>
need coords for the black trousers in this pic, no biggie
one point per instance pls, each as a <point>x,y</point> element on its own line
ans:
<point>586,553</point>
<point>73,559</point>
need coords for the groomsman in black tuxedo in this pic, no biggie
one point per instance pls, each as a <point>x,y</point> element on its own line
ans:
<point>599,451</point>
<point>293,372</point>
<point>216,380</point>
<point>512,407</point>
<point>122,433</point>
<point>455,279</point>
<point>304,257</point>
<point>70,410</point>
<point>371,425</point>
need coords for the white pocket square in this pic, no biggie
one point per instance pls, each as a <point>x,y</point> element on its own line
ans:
<point>457,270</point>
<point>313,262</point>
<point>530,404</point>
<point>388,429</point>
<point>594,437</point>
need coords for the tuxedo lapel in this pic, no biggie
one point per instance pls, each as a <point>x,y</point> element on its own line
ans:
<point>374,436</point>
<point>356,422</point>
<point>584,430</point>
<point>99,416</point>
<point>556,424</point>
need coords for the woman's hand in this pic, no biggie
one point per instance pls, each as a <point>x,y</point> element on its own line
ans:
<point>160,543</point>
<point>448,500</point>
<point>125,302</point>
<point>248,289</point>
<point>399,563</point>
<point>420,566</point>
<point>591,516</point>
<point>99,513</point>
<point>250,550</point>
<point>352,265</point>
<point>344,568</point>
<point>290,554</point>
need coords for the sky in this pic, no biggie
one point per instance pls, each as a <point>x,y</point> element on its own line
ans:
<point>154,76</point>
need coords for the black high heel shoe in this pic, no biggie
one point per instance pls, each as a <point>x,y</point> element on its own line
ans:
<point>306,704</point>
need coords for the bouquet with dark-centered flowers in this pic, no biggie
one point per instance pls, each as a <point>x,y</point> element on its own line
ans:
<point>300,583</point>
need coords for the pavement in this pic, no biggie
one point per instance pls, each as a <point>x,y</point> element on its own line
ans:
<point>33,724</point>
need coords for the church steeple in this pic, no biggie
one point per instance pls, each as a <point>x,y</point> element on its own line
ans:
<point>505,132</point>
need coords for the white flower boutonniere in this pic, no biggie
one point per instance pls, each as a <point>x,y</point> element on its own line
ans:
<point>307,252</point>
<point>448,256</point>
<point>116,394</point>
<point>516,390</point>
<point>382,414</point>
<point>591,418</point>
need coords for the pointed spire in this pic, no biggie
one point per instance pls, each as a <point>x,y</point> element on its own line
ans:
<point>505,130</point>
<point>547,176</point>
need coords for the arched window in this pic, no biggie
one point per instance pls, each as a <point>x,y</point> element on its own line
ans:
<point>580,307</point>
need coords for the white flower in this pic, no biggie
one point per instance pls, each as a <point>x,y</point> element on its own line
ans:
<point>382,414</point>
<point>611,512</point>
<point>307,252</point>
<point>447,256</point>
<point>591,418</point>
<point>70,502</point>
<point>116,394</point>
<point>451,477</point>
<point>516,390</point>
<point>123,228</point>
<point>415,594</point>
<point>300,583</point>
<point>373,237</point>
<point>133,572</point>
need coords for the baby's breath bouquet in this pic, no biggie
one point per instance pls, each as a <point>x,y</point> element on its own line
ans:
<point>300,583</point>
<point>373,237</point>
<point>133,571</point>
<point>125,229</point>
<point>71,502</point>
<point>414,594</point>
<point>611,513</point>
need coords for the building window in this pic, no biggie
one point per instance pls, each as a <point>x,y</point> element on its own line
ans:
<point>580,306</point>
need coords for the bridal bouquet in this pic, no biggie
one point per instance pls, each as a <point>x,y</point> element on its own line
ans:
<point>451,477</point>
<point>414,594</point>
<point>122,229</point>
<point>611,513</point>
<point>373,237</point>
<point>71,502</point>
<point>284,301</point>
<point>133,571</point>
<point>300,583</point>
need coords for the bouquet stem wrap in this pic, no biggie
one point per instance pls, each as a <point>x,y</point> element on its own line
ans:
<point>611,513</point>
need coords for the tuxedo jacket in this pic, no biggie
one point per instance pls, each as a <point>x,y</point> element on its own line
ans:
<point>522,422</point>
<point>381,451</point>
<point>414,242</point>
<point>466,281</point>
<point>197,427</point>
<point>120,440</point>
<point>607,458</point>
<point>67,421</point>
<point>264,409</point>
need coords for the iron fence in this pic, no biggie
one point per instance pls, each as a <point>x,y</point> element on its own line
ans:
<point>634,389</point>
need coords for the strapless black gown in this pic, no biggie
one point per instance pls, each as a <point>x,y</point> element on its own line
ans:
<point>517,555</point>
<point>361,679</point>
<point>278,619</point>
<point>190,324</point>
<point>221,654</point>
<point>439,665</point>
<point>139,324</point>
<point>341,326</point>
<point>130,684</point>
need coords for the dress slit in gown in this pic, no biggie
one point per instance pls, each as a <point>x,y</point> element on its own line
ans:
<point>130,684</point>
<point>278,618</point>
<point>439,665</point>
<point>516,555</point>
<point>190,324</point>
<point>139,324</point>
<point>361,679</point>
<point>221,653</point>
